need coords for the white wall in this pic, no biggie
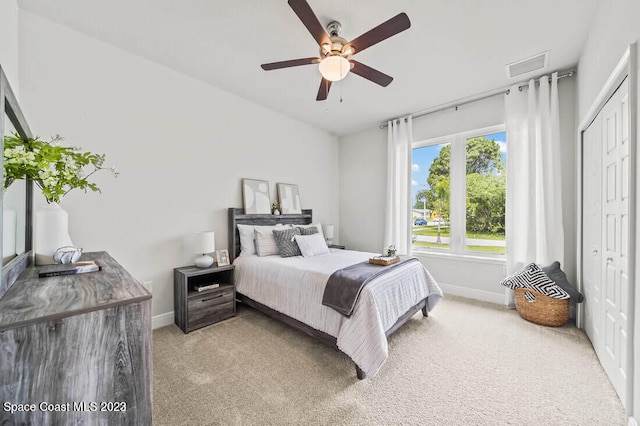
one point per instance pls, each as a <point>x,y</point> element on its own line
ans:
<point>9,41</point>
<point>181,147</point>
<point>363,187</point>
<point>616,25</point>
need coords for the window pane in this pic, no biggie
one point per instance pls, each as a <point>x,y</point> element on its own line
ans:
<point>486,193</point>
<point>431,195</point>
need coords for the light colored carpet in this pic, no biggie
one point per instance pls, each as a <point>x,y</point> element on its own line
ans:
<point>469,363</point>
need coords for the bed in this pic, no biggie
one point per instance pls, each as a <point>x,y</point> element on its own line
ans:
<point>290,290</point>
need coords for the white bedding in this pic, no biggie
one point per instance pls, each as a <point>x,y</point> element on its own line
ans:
<point>295,285</point>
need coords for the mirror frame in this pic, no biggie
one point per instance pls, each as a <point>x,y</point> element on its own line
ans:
<point>9,106</point>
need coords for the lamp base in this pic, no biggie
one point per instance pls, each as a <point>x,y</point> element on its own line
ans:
<point>204,261</point>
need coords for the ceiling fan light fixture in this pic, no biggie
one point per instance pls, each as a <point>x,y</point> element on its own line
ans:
<point>334,68</point>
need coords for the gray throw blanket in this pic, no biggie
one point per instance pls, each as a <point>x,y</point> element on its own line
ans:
<point>344,285</point>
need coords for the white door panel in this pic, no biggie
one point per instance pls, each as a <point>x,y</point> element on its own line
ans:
<point>592,231</point>
<point>615,210</point>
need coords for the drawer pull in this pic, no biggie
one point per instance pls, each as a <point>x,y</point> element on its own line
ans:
<point>211,298</point>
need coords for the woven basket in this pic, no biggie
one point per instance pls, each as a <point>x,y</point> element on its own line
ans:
<point>544,310</point>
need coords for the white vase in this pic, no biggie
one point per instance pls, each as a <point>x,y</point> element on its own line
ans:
<point>51,231</point>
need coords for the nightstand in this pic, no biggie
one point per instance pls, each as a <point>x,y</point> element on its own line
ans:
<point>194,309</point>
<point>337,246</point>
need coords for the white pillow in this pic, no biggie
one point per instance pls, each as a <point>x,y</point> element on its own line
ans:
<point>317,225</point>
<point>266,244</point>
<point>247,236</point>
<point>246,239</point>
<point>312,245</point>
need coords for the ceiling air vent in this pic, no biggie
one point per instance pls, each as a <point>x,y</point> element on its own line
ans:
<point>524,66</point>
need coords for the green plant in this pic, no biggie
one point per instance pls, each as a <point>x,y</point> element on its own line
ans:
<point>275,206</point>
<point>54,168</point>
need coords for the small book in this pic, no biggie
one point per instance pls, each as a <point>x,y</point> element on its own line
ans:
<point>69,269</point>
<point>206,287</point>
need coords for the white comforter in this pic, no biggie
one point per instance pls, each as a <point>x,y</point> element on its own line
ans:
<point>295,285</point>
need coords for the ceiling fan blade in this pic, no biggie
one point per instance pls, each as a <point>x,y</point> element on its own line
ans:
<point>370,73</point>
<point>323,91</point>
<point>389,28</point>
<point>291,63</point>
<point>309,19</point>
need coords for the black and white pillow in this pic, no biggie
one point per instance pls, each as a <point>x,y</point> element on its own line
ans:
<point>534,278</point>
<point>286,242</point>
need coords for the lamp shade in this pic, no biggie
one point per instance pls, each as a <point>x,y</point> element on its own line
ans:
<point>205,242</point>
<point>327,230</point>
<point>334,68</point>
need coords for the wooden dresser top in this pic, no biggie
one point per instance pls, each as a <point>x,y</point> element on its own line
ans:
<point>32,300</point>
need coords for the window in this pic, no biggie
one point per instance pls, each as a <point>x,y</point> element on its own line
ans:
<point>459,193</point>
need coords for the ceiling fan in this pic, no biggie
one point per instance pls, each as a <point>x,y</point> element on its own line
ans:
<point>335,50</point>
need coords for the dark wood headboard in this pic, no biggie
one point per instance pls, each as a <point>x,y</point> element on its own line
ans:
<point>237,216</point>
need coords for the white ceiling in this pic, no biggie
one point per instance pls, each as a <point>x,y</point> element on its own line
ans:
<point>454,48</point>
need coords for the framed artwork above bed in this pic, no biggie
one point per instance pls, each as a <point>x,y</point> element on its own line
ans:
<point>289,198</point>
<point>255,196</point>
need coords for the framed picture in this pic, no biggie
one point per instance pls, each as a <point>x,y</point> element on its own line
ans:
<point>255,196</point>
<point>222,257</point>
<point>289,198</point>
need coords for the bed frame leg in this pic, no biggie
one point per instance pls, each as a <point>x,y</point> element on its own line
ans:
<point>359,373</point>
<point>425,313</point>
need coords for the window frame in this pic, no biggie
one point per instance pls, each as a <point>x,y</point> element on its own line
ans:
<point>458,191</point>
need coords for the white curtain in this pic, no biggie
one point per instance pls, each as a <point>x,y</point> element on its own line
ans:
<point>534,198</point>
<point>397,226</point>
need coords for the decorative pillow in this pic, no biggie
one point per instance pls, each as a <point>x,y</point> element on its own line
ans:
<point>312,245</point>
<point>534,278</point>
<point>265,242</point>
<point>318,226</point>
<point>556,275</point>
<point>286,243</point>
<point>308,231</point>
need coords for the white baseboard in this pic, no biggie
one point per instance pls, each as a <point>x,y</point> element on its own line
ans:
<point>472,293</point>
<point>162,320</point>
<point>632,422</point>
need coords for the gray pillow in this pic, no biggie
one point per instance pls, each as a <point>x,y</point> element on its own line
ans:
<point>556,275</point>
<point>308,231</point>
<point>286,243</point>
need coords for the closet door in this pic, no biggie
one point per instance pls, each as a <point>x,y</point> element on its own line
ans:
<point>605,250</point>
<point>592,231</point>
<point>615,236</point>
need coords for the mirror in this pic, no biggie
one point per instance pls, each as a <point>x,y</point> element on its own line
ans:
<point>17,201</point>
<point>13,212</point>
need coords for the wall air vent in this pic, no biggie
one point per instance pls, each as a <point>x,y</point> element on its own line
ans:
<point>524,66</point>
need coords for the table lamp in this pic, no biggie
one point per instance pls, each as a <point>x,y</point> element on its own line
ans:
<point>328,233</point>
<point>205,243</point>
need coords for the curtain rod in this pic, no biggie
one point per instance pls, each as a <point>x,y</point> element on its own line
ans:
<point>485,95</point>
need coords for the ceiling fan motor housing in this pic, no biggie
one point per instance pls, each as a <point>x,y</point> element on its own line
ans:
<point>336,47</point>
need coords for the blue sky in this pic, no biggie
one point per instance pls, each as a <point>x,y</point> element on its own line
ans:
<point>423,157</point>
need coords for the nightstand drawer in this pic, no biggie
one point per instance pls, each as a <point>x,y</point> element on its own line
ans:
<point>212,314</point>
<point>210,300</point>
